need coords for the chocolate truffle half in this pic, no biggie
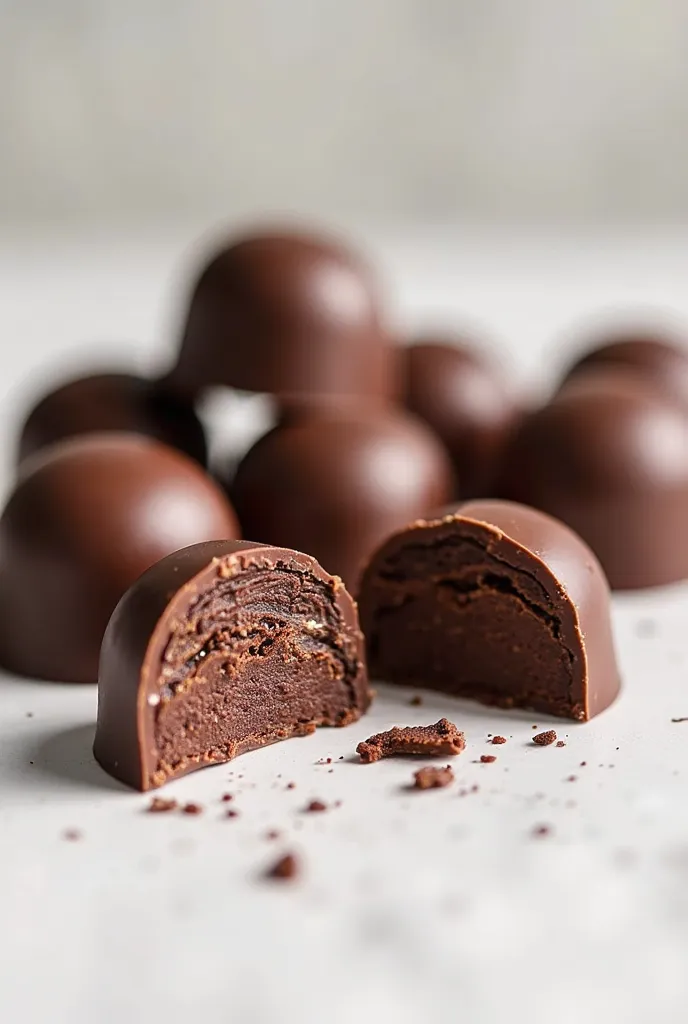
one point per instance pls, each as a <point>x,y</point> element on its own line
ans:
<point>86,518</point>
<point>609,456</point>
<point>493,601</point>
<point>288,313</point>
<point>464,398</point>
<point>221,648</point>
<point>335,485</point>
<point>120,402</point>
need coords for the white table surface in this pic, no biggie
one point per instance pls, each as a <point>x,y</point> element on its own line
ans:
<point>410,906</point>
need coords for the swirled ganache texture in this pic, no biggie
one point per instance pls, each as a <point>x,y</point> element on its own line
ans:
<point>221,648</point>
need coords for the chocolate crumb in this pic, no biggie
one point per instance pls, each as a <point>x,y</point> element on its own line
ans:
<point>338,803</point>
<point>286,868</point>
<point>232,814</point>
<point>314,806</point>
<point>192,809</point>
<point>159,805</point>
<point>438,740</point>
<point>572,778</point>
<point>533,726</point>
<point>680,719</point>
<point>341,757</point>
<point>475,788</point>
<point>272,834</point>
<point>541,830</point>
<point>291,785</point>
<point>487,758</point>
<point>72,835</point>
<point>560,743</point>
<point>433,778</point>
<point>543,739</point>
<point>29,714</point>
<point>499,739</point>
<point>226,797</point>
<point>416,701</point>
<point>583,764</point>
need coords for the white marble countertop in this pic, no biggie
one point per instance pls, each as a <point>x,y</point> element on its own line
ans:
<point>410,906</point>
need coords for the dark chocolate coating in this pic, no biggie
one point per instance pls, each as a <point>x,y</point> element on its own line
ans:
<point>657,360</point>
<point>463,397</point>
<point>86,518</point>
<point>284,313</point>
<point>609,456</point>
<point>493,601</point>
<point>337,485</point>
<point>120,402</point>
<point>221,648</point>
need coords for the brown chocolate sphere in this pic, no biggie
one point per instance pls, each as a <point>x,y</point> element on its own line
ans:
<point>118,402</point>
<point>287,313</point>
<point>462,395</point>
<point>86,518</point>
<point>609,456</point>
<point>657,360</point>
<point>336,486</point>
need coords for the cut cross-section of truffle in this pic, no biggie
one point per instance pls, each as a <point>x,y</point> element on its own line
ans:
<point>497,602</point>
<point>220,648</point>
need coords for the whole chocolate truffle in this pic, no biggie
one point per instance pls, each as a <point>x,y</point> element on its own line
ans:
<point>221,648</point>
<point>86,518</point>
<point>493,601</point>
<point>657,360</point>
<point>609,456</point>
<point>286,313</point>
<point>336,485</point>
<point>120,402</point>
<point>464,398</point>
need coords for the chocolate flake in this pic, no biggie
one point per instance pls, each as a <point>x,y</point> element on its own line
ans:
<point>433,778</point>
<point>439,740</point>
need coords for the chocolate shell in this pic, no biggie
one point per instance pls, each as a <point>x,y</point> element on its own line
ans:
<point>221,648</point>
<point>86,518</point>
<point>493,601</point>
<point>657,360</point>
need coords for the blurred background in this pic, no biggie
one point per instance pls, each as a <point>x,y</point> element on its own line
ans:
<point>410,110</point>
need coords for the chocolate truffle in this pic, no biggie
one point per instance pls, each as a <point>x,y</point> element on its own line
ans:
<point>286,313</point>
<point>609,456</point>
<point>657,360</point>
<point>221,648</point>
<point>462,395</point>
<point>86,518</point>
<point>493,601</point>
<point>337,485</point>
<point>118,402</point>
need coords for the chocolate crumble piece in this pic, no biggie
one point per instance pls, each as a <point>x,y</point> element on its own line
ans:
<point>232,814</point>
<point>499,739</point>
<point>314,806</point>
<point>487,758</point>
<point>192,809</point>
<point>433,778</point>
<point>439,740</point>
<point>416,701</point>
<point>285,869</point>
<point>291,785</point>
<point>543,739</point>
<point>680,719</point>
<point>159,805</point>
<point>227,797</point>
<point>560,743</point>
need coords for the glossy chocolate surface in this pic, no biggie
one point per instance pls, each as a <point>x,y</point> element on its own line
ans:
<point>86,518</point>
<point>609,456</point>
<point>655,359</point>
<point>221,648</point>
<point>288,313</point>
<point>494,601</point>
<point>335,486</point>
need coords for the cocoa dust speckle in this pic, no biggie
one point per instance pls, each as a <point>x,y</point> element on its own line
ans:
<point>285,869</point>
<point>433,778</point>
<point>272,834</point>
<point>572,778</point>
<point>232,813</point>
<point>72,835</point>
<point>540,831</point>
<point>291,785</point>
<point>416,701</point>
<point>543,739</point>
<point>159,805</point>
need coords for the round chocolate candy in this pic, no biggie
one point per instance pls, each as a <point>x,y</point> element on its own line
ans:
<point>118,402</point>
<point>463,397</point>
<point>609,456</point>
<point>335,485</point>
<point>86,518</point>
<point>286,313</point>
<point>656,359</point>
<point>221,648</point>
<point>497,602</point>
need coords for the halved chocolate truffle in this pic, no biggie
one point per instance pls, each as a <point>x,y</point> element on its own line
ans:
<point>219,649</point>
<point>493,601</point>
<point>288,313</point>
<point>120,402</point>
<point>86,518</point>
<point>335,485</point>
<point>464,398</point>
<point>656,359</point>
<point>609,456</point>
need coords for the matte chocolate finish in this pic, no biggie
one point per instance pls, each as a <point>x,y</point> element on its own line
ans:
<point>657,360</point>
<point>337,485</point>
<point>118,402</point>
<point>463,397</point>
<point>86,518</point>
<point>221,648</point>
<point>493,601</point>
<point>609,456</point>
<point>287,313</point>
